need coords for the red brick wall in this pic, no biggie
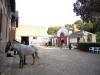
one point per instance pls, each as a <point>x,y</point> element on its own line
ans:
<point>60,38</point>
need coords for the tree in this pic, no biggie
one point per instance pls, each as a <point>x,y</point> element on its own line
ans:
<point>97,27</point>
<point>98,36</point>
<point>80,24</point>
<point>89,10</point>
<point>88,26</point>
<point>52,30</point>
<point>67,25</point>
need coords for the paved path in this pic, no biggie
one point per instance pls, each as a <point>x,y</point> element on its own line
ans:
<point>56,61</point>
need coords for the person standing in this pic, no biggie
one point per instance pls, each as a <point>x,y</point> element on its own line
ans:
<point>70,46</point>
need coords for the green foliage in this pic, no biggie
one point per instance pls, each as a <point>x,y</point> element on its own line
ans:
<point>52,30</point>
<point>80,24</point>
<point>85,46</point>
<point>89,26</point>
<point>88,10</point>
<point>98,36</point>
<point>84,26</point>
<point>96,27</point>
<point>68,26</point>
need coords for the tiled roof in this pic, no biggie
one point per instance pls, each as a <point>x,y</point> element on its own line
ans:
<point>80,33</point>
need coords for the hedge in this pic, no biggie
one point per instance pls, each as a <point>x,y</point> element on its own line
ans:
<point>85,46</point>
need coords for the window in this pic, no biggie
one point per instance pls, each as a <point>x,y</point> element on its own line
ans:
<point>89,38</point>
<point>34,37</point>
<point>78,39</point>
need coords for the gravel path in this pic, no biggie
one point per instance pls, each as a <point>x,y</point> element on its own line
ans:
<point>56,61</point>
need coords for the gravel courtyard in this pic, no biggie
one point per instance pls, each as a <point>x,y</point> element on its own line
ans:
<point>57,61</point>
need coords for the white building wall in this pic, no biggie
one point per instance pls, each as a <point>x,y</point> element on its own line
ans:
<point>73,40</point>
<point>39,41</point>
<point>55,41</point>
<point>81,40</point>
<point>94,38</point>
<point>30,40</point>
<point>18,38</point>
<point>68,40</point>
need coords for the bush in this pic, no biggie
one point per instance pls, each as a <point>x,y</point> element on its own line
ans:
<point>98,36</point>
<point>85,46</point>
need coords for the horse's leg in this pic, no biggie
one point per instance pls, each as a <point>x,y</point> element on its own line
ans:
<point>21,61</point>
<point>37,57</point>
<point>14,52</point>
<point>25,60</point>
<point>20,64</point>
<point>33,58</point>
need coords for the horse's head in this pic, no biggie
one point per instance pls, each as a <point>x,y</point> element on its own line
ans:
<point>8,46</point>
<point>11,45</point>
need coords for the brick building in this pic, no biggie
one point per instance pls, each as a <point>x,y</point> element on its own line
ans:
<point>62,37</point>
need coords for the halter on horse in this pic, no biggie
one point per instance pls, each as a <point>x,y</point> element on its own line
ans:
<point>24,50</point>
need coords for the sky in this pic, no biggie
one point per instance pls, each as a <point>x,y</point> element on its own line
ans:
<point>46,12</point>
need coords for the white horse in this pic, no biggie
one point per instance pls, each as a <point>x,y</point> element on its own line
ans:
<point>24,50</point>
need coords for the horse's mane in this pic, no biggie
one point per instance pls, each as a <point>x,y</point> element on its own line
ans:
<point>16,41</point>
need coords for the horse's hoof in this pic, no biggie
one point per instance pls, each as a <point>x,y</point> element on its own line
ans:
<point>25,63</point>
<point>20,67</point>
<point>39,64</point>
<point>32,64</point>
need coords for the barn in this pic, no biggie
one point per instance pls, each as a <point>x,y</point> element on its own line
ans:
<point>29,34</point>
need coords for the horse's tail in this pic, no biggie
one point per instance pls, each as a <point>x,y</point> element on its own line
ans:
<point>36,55</point>
<point>36,51</point>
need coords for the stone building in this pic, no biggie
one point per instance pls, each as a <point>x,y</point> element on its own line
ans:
<point>8,22</point>
<point>82,36</point>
